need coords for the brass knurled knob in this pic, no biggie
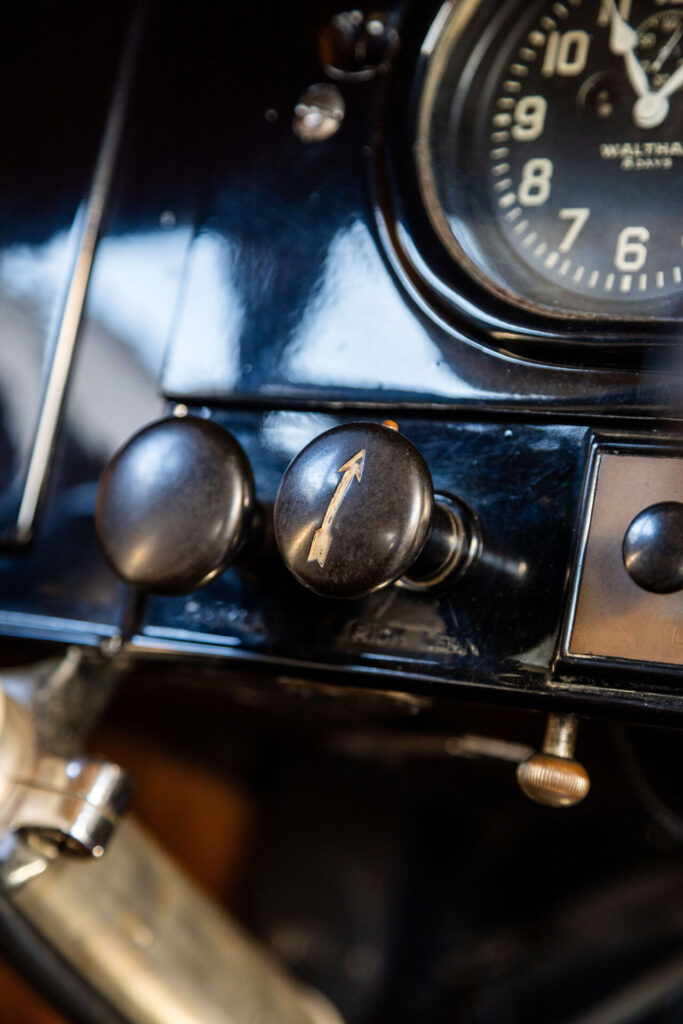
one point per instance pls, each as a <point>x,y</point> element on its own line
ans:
<point>552,776</point>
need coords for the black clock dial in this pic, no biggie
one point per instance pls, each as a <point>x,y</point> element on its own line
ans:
<point>660,45</point>
<point>551,154</point>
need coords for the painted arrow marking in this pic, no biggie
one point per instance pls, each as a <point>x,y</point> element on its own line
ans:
<point>322,538</point>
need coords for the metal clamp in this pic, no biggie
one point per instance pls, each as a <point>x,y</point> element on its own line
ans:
<point>77,803</point>
<point>50,802</point>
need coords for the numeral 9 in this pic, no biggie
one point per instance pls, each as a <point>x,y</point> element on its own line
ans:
<point>529,118</point>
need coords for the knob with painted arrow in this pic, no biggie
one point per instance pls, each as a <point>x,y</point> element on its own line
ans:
<point>356,511</point>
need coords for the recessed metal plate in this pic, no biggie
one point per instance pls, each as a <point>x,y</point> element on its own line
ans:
<point>612,617</point>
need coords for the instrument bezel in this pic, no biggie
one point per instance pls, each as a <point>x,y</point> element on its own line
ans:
<point>433,266</point>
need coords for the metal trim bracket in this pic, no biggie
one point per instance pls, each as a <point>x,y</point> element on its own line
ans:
<point>49,800</point>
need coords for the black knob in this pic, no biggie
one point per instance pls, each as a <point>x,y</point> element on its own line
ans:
<point>653,548</point>
<point>354,512</point>
<point>174,505</point>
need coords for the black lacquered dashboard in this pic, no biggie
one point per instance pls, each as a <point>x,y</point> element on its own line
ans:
<point>281,286</point>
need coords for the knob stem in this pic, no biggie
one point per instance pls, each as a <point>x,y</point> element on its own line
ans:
<point>451,548</point>
<point>561,733</point>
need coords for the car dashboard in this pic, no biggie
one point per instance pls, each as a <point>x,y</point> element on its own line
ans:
<point>340,376</point>
<point>308,257</point>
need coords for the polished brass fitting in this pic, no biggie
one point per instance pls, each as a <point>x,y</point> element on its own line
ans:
<point>552,776</point>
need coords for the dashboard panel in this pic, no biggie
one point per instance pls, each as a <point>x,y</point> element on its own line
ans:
<point>281,284</point>
<point>340,395</point>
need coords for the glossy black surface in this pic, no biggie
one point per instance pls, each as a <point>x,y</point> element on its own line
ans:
<point>281,289</point>
<point>353,510</point>
<point>174,505</point>
<point>497,625</point>
<point>266,284</point>
<point>298,279</point>
<point>51,127</point>
<point>653,548</point>
<point>60,586</point>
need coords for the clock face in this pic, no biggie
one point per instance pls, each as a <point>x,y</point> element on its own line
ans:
<point>551,153</point>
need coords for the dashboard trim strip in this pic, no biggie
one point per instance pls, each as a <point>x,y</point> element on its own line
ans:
<point>61,364</point>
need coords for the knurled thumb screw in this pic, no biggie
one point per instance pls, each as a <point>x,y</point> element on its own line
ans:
<point>552,776</point>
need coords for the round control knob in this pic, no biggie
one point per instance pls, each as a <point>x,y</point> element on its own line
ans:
<point>653,548</point>
<point>354,512</point>
<point>174,505</point>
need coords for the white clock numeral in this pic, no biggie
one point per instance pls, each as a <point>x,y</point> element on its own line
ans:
<point>566,53</point>
<point>529,118</point>
<point>631,252</point>
<point>534,188</point>
<point>578,215</point>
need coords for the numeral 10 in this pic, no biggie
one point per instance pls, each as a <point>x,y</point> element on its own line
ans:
<point>566,53</point>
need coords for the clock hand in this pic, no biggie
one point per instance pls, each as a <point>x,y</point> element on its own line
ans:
<point>667,49</point>
<point>637,74</point>
<point>651,110</point>
<point>623,40</point>
<point>622,36</point>
<point>672,84</point>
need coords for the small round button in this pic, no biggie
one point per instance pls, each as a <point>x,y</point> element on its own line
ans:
<point>174,505</point>
<point>653,548</point>
<point>354,510</point>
